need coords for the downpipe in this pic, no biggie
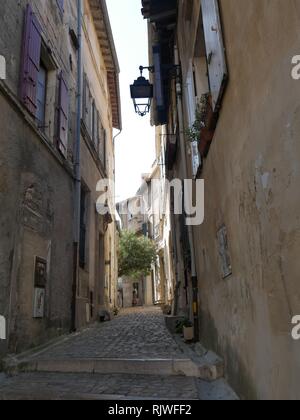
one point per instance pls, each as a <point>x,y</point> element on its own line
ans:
<point>77,167</point>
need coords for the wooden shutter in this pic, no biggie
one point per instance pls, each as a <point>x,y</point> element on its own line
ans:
<point>63,115</point>
<point>60,4</point>
<point>31,55</point>
<point>83,111</point>
<point>191,114</point>
<point>102,146</point>
<point>95,125</point>
<point>217,67</point>
<point>98,135</point>
<point>88,108</point>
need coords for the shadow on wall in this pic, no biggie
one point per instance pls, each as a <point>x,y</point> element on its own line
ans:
<point>236,371</point>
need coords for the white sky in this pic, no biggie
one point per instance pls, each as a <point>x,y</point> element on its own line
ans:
<point>135,147</point>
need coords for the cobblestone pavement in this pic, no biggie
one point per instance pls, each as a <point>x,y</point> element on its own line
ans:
<point>138,333</point>
<point>81,386</point>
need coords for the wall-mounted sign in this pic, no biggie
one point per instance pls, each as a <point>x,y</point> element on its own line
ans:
<point>224,254</point>
<point>2,68</point>
<point>2,328</point>
<point>40,275</point>
<point>39,303</point>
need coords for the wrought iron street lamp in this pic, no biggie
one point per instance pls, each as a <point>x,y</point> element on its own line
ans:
<point>142,93</point>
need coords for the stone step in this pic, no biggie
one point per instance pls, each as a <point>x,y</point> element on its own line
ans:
<point>81,386</point>
<point>163,367</point>
<point>208,367</point>
<point>44,395</point>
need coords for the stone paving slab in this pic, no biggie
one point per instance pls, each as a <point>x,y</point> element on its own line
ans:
<point>39,386</point>
<point>135,334</point>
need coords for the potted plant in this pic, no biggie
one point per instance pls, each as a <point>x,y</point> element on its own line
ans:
<point>186,328</point>
<point>193,133</point>
<point>188,331</point>
<point>202,131</point>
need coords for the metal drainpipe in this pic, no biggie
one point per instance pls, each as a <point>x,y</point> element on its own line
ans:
<point>117,135</point>
<point>195,308</point>
<point>77,165</point>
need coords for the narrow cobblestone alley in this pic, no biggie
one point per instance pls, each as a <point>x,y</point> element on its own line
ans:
<point>131,357</point>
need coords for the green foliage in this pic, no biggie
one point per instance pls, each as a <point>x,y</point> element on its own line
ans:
<point>194,132</point>
<point>185,323</point>
<point>136,255</point>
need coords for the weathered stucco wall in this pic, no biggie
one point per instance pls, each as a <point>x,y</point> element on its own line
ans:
<point>252,176</point>
<point>36,187</point>
<point>36,198</point>
<point>100,274</point>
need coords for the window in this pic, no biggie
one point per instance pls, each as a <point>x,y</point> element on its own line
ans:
<point>191,111</point>
<point>31,54</point>
<point>101,141</point>
<point>63,112</point>
<point>60,5</point>
<point>95,116</point>
<point>92,122</point>
<point>38,84</point>
<point>41,96</point>
<point>217,68</point>
<point>103,149</point>
<point>87,109</point>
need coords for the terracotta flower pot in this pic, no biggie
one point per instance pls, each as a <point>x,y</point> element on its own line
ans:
<point>206,137</point>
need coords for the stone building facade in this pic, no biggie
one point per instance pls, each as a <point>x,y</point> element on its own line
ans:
<point>135,291</point>
<point>98,271</point>
<point>38,287</point>
<point>144,215</point>
<point>235,79</point>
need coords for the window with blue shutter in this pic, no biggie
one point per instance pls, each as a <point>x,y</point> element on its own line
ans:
<point>41,96</point>
<point>30,67</point>
<point>60,4</point>
<point>63,115</point>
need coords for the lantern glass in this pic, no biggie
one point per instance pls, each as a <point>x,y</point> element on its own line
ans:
<point>142,95</point>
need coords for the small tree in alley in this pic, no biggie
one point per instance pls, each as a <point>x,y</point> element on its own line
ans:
<point>136,255</point>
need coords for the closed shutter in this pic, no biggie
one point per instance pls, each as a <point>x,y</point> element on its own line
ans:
<point>191,114</point>
<point>98,131</point>
<point>31,55</point>
<point>87,105</point>
<point>60,4</point>
<point>102,141</point>
<point>217,67</point>
<point>95,125</point>
<point>88,109</point>
<point>63,115</point>
<point>84,86</point>
<point>102,147</point>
